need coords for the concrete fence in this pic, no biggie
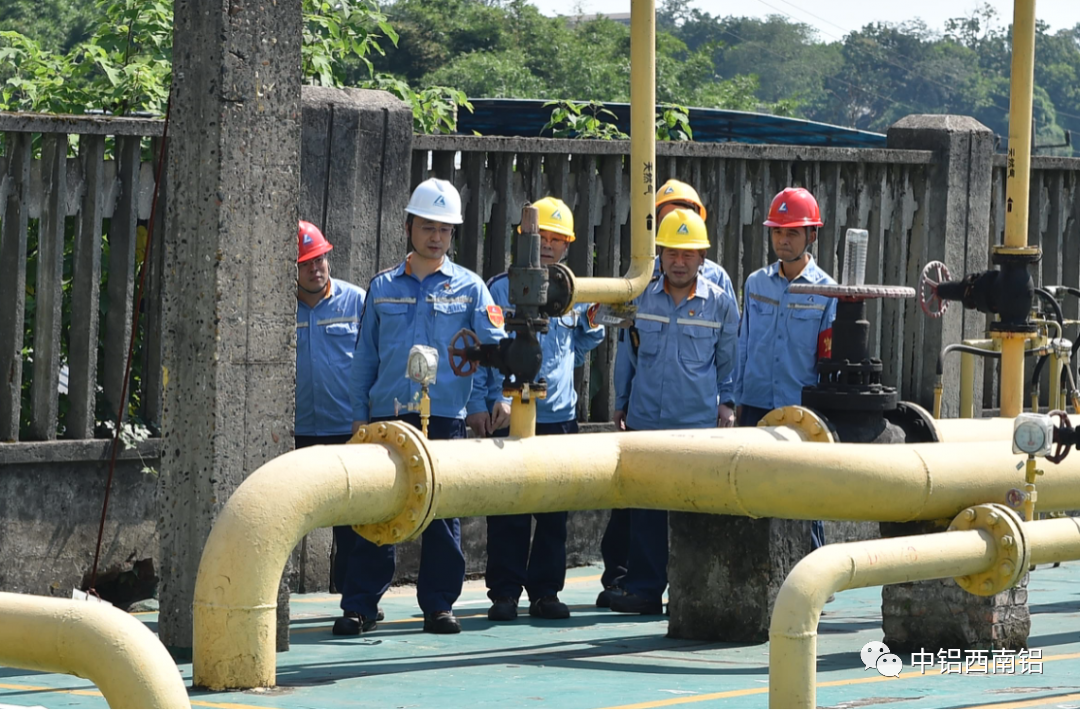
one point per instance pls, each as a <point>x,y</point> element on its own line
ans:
<point>77,191</point>
<point>83,186</point>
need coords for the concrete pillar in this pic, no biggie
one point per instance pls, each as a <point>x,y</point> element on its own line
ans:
<point>229,294</point>
<point>725,571</point>
<point>355,152</point>
<point>954,204</point>
<point>939,614</point>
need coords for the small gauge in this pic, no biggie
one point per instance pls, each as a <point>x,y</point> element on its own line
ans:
<point>423,364</point>
<point>1032,434</point>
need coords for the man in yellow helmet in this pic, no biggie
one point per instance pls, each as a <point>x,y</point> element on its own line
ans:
<point>511,566</point>
<point>670,369</point>
<point>614,547</point>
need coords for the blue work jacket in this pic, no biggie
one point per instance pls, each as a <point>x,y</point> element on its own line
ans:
<point>401,312</point>
<point>781,337</point>
<point>564,346</point>
<point>326,337</point>
<point>672,376</point>
<point>716,273</point>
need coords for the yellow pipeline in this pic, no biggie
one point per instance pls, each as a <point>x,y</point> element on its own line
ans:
<point>967,385</point>
<point>833,568</point>
<point>642,167</point>
<point>732,471</point>
<point>1017,185</point>
<point>98,642</point>
<point>1021,83</point>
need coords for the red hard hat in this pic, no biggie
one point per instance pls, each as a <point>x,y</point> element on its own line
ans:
<point>311,243</point>
<point>794,207</point>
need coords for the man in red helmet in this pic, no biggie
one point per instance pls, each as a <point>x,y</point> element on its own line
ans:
<point>782,335</point>
<point>327,329</point>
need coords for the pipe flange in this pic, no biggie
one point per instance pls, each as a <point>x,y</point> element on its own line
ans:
<point>812,424</point>
<point>1012,554</point>
<point>418,466</point>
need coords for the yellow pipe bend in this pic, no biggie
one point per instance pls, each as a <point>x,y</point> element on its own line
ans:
<point>642,167</point>
<point>834,568</point>
<point>108,647</point>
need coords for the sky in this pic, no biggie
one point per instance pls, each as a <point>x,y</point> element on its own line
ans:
<point>834,18</point>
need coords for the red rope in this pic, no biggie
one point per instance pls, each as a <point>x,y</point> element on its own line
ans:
<point>147,256</point>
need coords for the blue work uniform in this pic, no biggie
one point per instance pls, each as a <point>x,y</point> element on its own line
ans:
<point>510,564</point>
<point>615,544</point>
<point>782,335</point>
<point>401,311</point>
<point>326,338</point>
<point>669,370</point>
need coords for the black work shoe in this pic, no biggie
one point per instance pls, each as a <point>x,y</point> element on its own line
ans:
<point>627,603</point>
<point>352,624</point>
<point>549,608</point>
<point>503,609</point>
<point>442,622</point>
<point>379,615</point>
<point>603,600</point>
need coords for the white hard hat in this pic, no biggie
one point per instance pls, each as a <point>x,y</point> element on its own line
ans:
<point>437,200</point>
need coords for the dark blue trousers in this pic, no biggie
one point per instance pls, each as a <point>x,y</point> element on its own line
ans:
<point>344,536</point>
<point>615,548</point>
<point>511,566</point>
<point>646,569</point>
<point>750,417</point>
<point>442,564</point>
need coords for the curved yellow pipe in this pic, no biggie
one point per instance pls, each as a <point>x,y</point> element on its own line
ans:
<point>642,167</point>
<point>728,471</point>
<point>834,568</point>
<point>98,642</point>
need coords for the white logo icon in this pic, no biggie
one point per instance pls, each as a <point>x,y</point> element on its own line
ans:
<point>876,655</point>
<point>556,214</point>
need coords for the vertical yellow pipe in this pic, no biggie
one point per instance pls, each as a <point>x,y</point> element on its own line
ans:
<point>967,385</point>
<point>1055,399</point>
<point>523,417</point>
<point>1012,374</point>
<point>1018,174</point>
<point>642,166</point>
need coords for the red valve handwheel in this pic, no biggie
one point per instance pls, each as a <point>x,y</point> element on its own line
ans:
<point>459,361</point>
<point>1062,449</point>
<point>931,303</point>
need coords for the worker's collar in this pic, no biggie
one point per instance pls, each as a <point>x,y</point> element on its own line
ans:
<point>447,267</point>
<point>810,273</point>
<point>322,297</point>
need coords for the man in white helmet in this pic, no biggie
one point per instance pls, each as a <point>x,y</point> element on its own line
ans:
<point>424,300</point>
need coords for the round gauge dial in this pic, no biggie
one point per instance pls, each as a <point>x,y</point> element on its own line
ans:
<point>1029,437</point>
<point>418,367</point>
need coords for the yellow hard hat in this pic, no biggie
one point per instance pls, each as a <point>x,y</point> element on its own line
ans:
<point>674,190</point>
<point>682,229</point>
<point>555,216</point>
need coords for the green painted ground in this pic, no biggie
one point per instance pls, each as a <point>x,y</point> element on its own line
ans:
<point>602,659</point>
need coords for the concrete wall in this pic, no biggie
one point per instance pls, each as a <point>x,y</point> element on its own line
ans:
<point>50,504</point>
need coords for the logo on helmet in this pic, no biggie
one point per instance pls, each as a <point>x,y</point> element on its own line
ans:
<point>440,201</point>
<point>556,215</point>
<point>682,229</point>
<point>783,207</point>
<point>669,190</point>
<point>307,239</point>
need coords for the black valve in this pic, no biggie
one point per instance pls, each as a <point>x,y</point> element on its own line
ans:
<point>1008,292</point>
<point>1065,437</point>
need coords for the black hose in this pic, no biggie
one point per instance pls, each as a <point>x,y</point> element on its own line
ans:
<point>960,347</point>
<point>1049,298</point>
<point>1038,371</point>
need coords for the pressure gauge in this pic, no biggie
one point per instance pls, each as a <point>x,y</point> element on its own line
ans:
<point>423,365</point>
<point>1033,434</point>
